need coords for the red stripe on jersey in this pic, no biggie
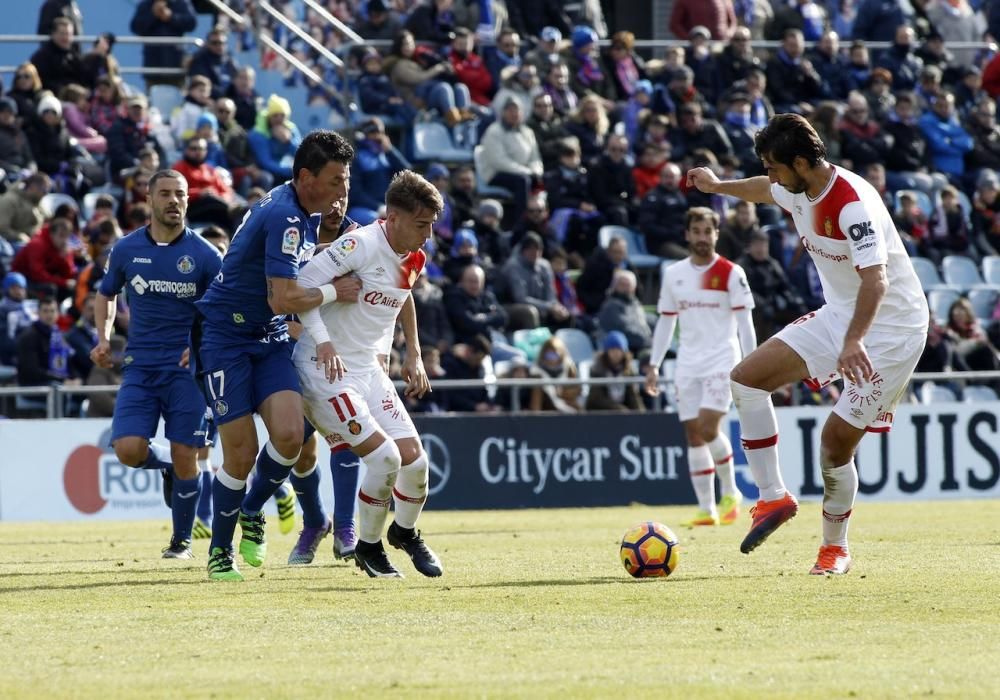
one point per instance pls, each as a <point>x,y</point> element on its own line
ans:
<point>826,212</point>
<point>370,500</point>
<point>669,313</point>
<point>703,472</point>
<point>716,277</point>
<point>397,494</point>
<point>760,443</point>
<point>410,267</point>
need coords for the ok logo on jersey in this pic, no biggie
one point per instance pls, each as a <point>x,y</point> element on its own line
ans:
<point>860,230</point>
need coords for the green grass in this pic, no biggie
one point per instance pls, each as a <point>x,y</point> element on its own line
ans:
<point>533,603</point>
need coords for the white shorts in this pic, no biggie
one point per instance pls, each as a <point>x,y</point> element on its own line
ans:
<point>351,409</point>
<point>711,391</point>
<point>818,338</point>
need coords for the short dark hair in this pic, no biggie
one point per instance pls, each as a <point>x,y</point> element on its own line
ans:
<point>104,201</point>
<point>214,233</point>
<point>412,192</point>
<point>701,214</point>
<point>60,224</point>
<point>163,175</point>
<point>788,136</point>
<point>319,148</point>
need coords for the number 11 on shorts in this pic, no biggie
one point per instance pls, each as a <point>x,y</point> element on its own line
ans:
<point>335,401</point>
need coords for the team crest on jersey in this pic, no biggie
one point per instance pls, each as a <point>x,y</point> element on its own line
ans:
<point>714,282</point>
<point>185,264</point>
<point>290,241</point>
<point>828,227</point>
<point>221,407</point>
<point>347,245</point>
<point>354,427</point>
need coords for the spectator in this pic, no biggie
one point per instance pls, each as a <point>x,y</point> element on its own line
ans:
<point>792,80</point>
<point>661,215</point>
<point>859,68</point>
<point>53,146</point>
<point>105,106</point>
<point>973,349</point>
<point>210,198</point>
<point>377,94</point>
<point>464,252</point>
<point>986,213</point>
<point>472,308</point>
<point>929,86</point>
<point>214,62</point>
<point>949,230</point>
<point>622,311</point>
<point>510,157</point>
<point>376,160</point>
<point>99,63</point>
<point>804,15</point>
<point>554,362</point>
<point>574,216</point>
<point>595,280</point>
<point>703,66</point>
<point>681,91</point>
<point>548,127</point>
<point>614,360</point>
<point>444,227</point>
<point>421,78</point>
<point>590,125</point>
<point>830,66</point>
<point>207,127</point>
<point>739,129</point>
<point>737,58</point>
<point>527,283</point>
<point>938,354</point>
<point>75,100</point>
<point>20,216</point>
<point>53,9</point>
<point>737,229</point>
<point>775,300</point>
<point>861,137</point>
<point>16,314</point>
<point>646,173</point>
<point>586,74</point>
<point>623,66</point>
<point>911,221</point>
<point>57,62</point>
<point>465,361</point>
<point>519,83</point>
<point>537,219</point>
<point>244,95</point>
<point>933,52</point>
<point>610,181</point>
<point>42,354</point>
<point>695,132</point>
<point>275,139</point>
<point>957,22</point>
<point>877,20</point>
<point>91,275</point>
<point>432,315</point>
<point>519,369</point>
<point>382,24</point>
<point>463,194</point>
<point>982,127</point>
<point>46,260</point>
<point>969,90</point>
<point>874,173</point>
<point>102,404</point>
<point>947,140</point>
<point>82,338</point>
<point>432,21</point>
<point>493,240</point>
<point>469,67</point>
<point>15,152</point>
<point>530,17</point>
<point>163,18</point>
<point>565,289</point>
<point>26,91</point>
<point>901,61</point>
<point>717,15</point>
<point>906,160</point>
<point>129,135</point>
<point>504,57</point>
<point>197,101</point>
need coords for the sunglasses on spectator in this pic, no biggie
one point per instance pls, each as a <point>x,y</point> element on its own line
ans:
<point>22,76</point>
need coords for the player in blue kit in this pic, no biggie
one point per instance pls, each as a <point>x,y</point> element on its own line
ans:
<point>167,268</point>
<point>245,357</point>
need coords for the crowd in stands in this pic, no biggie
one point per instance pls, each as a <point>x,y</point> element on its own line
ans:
<point>563,129</point>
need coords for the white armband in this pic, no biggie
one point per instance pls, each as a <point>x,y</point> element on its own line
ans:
<point>329,293</point>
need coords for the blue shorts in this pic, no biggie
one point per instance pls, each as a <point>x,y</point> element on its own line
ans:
<point>145,395</point>
<point>238,377</point>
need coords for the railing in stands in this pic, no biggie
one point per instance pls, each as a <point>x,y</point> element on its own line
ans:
<point>54,395</point>
<point>349,33</point>
<point>301,33</point>
<point>125,70</point>
<point>228,11</point>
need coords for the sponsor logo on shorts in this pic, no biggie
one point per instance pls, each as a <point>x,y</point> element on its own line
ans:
<point>221,407</point>
<point>185,265</point>
<point>354,427</point>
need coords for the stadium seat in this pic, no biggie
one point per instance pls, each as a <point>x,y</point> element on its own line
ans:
<point>991,269</point>
<point>319,117</point>
<point>978,394</point>
<point>165,98</point>
<point>89,202</point>
<point>983,301</point>
<point>579,344</point>
<point>927,273</point>
<point>960,271</point>
<point>923,202</point>
<point>432,142</point>
<point>482,188</point>
<point>636,245</point>
<point>940,300</point>
<point>53,201</point>
<point>965,204</point>
<point>931,393</point>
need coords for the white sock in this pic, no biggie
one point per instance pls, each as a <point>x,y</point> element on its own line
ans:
<point>161,452</point>
<point>702,476</point>
<point>840,487</point>
<point>722,453</point>
<point>376,490</point>
<point>410,492</point>
<point>230,481</point>
<point>204,465</point>
<point>759,435</point>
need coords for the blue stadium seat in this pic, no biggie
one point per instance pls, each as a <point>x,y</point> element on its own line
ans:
<point>991,269</point>
<point>53,201</point>
<point>927,273</point>
<point>960,271</point>
<point>90,200</point>
<point>165,98</point>
<point>482,188</point>
<point>978,394</point>
<point>940,300</point>
<point>432,142</point>
<point>580,346</point>
<point>983,300</point>
<point>634,242</point>
<point>923,201</point>
<point>931,393</point>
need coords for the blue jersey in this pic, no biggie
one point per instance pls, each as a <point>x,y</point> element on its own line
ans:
<point>269,243</point>
<point>163,283</point>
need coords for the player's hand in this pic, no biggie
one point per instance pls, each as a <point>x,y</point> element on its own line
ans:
<point>417,383</point>
<point>294,329</point>
<point>704,179</point>
<point>383,361</point>
<point>348,289</point>
<point>330,362</point>
<point>854,364</point>
<point>185,358</point>
<point>101,355</point>
<point>652,381</point>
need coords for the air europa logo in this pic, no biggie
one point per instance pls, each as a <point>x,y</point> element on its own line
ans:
<point>94,479</point>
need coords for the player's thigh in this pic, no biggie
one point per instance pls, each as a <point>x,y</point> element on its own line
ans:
<point>282,414</point>
<point>687,391</point>
<point>227,382</point>
<point>338,410</point>
<point>805,349</point>
<point>390,413</point>
<point>183,407</point>
<point>137,410</point>
<point>274,373</point>
<point>239,446</point>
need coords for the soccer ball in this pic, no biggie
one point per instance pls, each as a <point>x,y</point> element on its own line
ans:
<point>649,549</point>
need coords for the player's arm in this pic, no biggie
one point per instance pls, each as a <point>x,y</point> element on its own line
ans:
<point>663,334</point>
<point>745,331</point>
<point>854,363</point>
<point>752,189</point>
<point>104,321</point>
<point>417,383</point>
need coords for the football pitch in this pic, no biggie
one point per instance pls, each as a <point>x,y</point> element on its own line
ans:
<point>532,603</point>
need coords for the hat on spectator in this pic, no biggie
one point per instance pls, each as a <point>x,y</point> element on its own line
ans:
<point>491,207</point>
<point>582,36</point>
<point>377,6</point>
<point>14,279</point>
<point>701,31</point>
<point>988,178</point>
<point>207,119</point>
<point>463,236</point>
<point>277,104</point>
<point>138,99</point>
<point>738,96</point>
<point>50,103</point>
<point>615,339</point>
<point>551,34</point>
<point>644,86</point>
<point>8,105</point>
<point>436,170</point>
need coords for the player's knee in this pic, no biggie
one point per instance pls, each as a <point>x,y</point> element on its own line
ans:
<point>131,452</point>
<point>384,459</point>
<point>307,458</point>
<point>287,439</point>
<point>412,480</point>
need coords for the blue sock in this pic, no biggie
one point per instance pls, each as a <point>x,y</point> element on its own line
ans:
<point>344,466</point>
<point>227,495</point>
<point>205,499</point>
<point>271,474</point>
<point>307,489</point>
<point>284,491</point>
<point>183,503</point>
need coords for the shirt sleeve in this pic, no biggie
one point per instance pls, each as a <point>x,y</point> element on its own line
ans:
<point>283,237</point>
<point>341,257</point>
<point>211,265</point>
<point>865,241</point>
<point>740,296</point>
<point>114,275</point>
<point>782,197</point>
<point>666,304</point>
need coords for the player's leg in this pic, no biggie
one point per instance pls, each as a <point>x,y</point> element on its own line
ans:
<point>383,461</point>
<point>203,515</point>
<point>345,470</point>
<point>717,397</point>
<point>182,406</point>
<point>702,471</point>
<point>305,479</point>
<point>410,495</point>
<point>840,487</point>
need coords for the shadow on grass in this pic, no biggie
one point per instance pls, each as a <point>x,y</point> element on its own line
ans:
<point>101,584</point>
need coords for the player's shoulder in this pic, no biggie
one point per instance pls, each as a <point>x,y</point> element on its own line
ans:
<point>200,247</point>
<point>677,267</point>
<point>360,240</point>
<point>132,240</point>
